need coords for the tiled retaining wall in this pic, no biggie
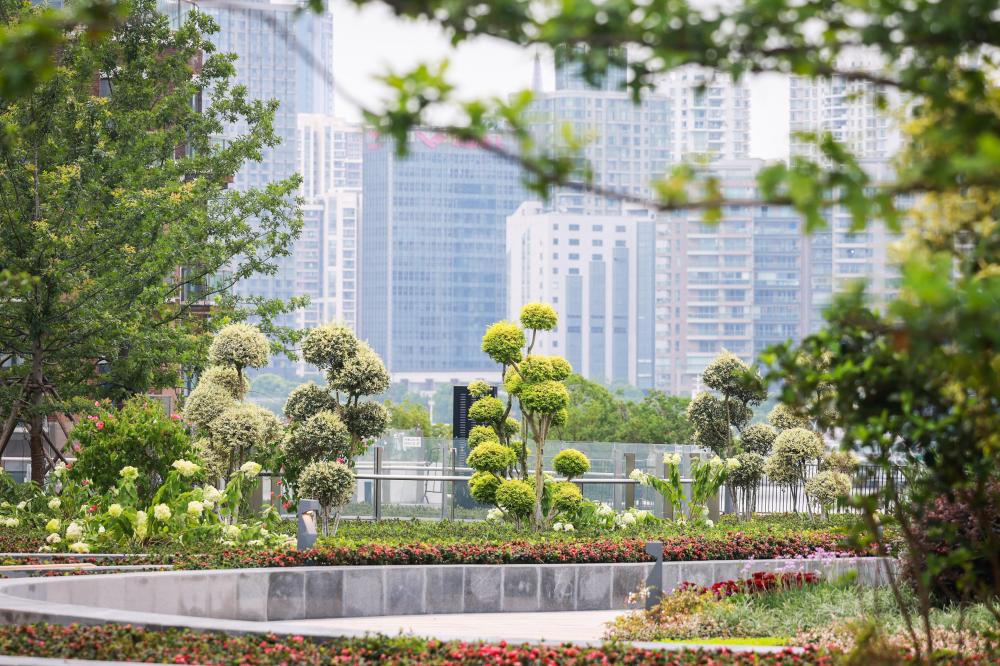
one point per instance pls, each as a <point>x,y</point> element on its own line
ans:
<point>262,595</point>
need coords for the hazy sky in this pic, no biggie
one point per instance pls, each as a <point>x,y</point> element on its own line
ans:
<point>371,40</point>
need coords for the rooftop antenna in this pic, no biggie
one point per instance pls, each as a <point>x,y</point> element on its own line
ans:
<point>536,77</point>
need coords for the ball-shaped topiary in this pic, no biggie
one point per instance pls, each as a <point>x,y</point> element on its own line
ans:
<point>749,471</point>
<point>566,497</point>
<point>240,346</point>
<point>548,397</point>
<point>479,388</point>
<point>329,347</point>
<point>571,463</point>
<point>503,342</point>
<point>516,498</point>
<point>228,378</point>
<point>783,417</point>
<point>331,483</point>
<point>511,427</point>
<point>322,436</point>
<point>560,418</point>
<point>490,457</point>
<point>839,461</point>
<point>758,438</point>
<point>205,404</point>
<point>538,368</point>
<point>827,487</point>
<point>486,410</point>
<point>793,449</point>
<point>539,316</point>
<point>480,434</point>
<point>365,419</point>
<point>362,374</point>
<point>483,487</point>
<point>726,370</point>
<point>306,400</point>
<point>243,429</point>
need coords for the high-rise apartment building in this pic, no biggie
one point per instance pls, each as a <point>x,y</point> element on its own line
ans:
<point>626,145</point>
<point>735,285</point>
<point>257,32</point>
<point>850,111</point>
<point>326,255</point>
<point>598,272</point>
<point>433,267</point>
<point>711,115</point>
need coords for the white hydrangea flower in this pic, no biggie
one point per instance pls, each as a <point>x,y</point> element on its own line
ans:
<point>604,509</point>
<point>673,459</point>
<point>21,506</point>
<point>53,525</point>
<point>115,510</point>
<point>101,530</point>
<point>79,547</point>
<point>640,476</point>
<point>161,512</point>
<point>5,504</point>
<point>710,523</point>
<point>568,527</point>
<point>732,463</point>
<point>494,515</point>
<point>11,522</point>
<point>74,532</point>
<point>60,469</point>
<point>557,527</point>
<point>210,494</point>
<point>55,503</point>
<point>231,532</point>
<point>251,468</point>
<point>53,539</point>
<point>194,509</point>
<point>129,473</point>
<point>642,514</point>
<point>715,463</point>
<point>185,467</point>
<point>141,524</point>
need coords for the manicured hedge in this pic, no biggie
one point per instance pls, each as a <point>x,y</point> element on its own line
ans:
<point>736,546</point>
<point>121,643</point>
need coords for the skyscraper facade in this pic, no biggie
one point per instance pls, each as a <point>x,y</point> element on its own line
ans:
<point>433,268</point>
<point>597,271</point>
<point>257,32</point>
<point>326,256</point>
<point>735,285</point>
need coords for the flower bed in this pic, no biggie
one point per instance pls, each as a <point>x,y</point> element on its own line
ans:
<point>735,546</point>
<point>120,643</point>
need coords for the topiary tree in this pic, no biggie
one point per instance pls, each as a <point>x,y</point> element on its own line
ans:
<point>571,463</point>
<point>332,484</point>
<point>517,499</point>
<point>205,403</point>
<point>479,434</point>
<point>227,378</point>
<point>483,487</point>
<point>736,388</point>
<point>793,450</point>
<point>242,433</point>
<point>745,479</point>
<point>826,488</point>
<point>840,461</point>
<point>239,346</point>
<point>758,438</point>
<point>491,457</point>
<point>334,422</point>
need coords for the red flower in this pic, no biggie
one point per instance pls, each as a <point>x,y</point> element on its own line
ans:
<point>100,425</point>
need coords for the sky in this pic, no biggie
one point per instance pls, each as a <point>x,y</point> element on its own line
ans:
<point>371,41</point>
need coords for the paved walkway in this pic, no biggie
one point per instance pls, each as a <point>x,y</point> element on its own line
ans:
<point>513,627</point>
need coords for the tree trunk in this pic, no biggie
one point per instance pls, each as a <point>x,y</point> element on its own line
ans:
<point>35,388</point>
<point>539,483</point>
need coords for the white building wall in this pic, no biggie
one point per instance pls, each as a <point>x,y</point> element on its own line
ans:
<point>710,115</point>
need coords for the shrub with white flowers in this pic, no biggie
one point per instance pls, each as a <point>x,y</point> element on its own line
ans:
<point>793,450</point>
<point>240,346</point>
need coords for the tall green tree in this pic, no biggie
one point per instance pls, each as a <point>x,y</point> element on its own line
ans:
<point>114,199</point>
<point>594,413</point>
<point>657,418</point>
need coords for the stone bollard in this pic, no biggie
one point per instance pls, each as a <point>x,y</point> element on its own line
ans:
<point>654,582</point>
<point>308,523</point>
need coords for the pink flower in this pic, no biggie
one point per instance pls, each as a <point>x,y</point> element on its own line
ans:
<point>341,460</point>
<point>100,425</point>
<point>97,403</point>
<point>175,416</point>
<point>76,447</point>
<point>85,483</point>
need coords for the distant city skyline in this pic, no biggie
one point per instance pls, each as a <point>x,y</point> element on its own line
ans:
<point>369,40</point>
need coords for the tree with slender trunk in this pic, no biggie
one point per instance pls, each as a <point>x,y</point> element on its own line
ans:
<point>114,202</point>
